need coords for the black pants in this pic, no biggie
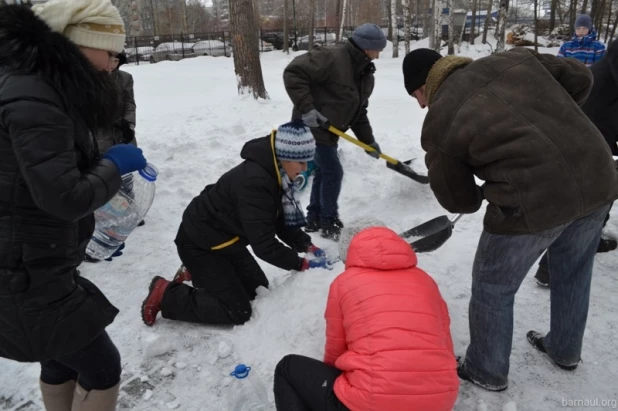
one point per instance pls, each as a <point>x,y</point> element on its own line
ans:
<point>306,384</point>
<point>95,367</point>
<point>224,285</point>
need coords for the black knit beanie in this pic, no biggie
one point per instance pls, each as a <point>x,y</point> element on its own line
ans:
<point>416,67</point>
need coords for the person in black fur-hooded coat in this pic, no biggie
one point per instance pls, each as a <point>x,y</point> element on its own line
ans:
<point>55,91</point>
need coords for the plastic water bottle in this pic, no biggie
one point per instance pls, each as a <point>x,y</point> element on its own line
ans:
<point>118,218</point>
<point>248,392</point>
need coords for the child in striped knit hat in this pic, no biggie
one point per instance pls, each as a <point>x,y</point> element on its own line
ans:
<point>254,204</point>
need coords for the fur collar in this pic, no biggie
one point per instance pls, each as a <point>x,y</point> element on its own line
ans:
<point>28,46</point>
<point>440,72</point>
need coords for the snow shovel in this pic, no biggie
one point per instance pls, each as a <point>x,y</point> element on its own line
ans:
<point>434,233</point>
<point>391,163</point>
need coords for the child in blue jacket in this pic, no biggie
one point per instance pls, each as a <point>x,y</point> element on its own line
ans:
<point>584,46</point>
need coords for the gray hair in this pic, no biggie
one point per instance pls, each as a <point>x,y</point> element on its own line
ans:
<point>350,230</point>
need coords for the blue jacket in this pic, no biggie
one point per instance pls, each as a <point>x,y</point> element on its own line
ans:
<point>585,49</point>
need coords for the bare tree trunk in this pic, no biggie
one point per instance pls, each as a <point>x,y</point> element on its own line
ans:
<point>389,36</point>
<point>573,14</point>
<point>552,15</point>
<point>286,31</point>
<point>584,7</point>
<point>344,12</point>
<point>487,20</point>
<point>338,19</point>
<point>183,4</point>
<point>451,28</point>
<point>609,21</point>
<point>473,26</point>
<point>611,37</point>
<point>395,29</point>
<point>437,25</point>
<point>406,24</point>
<point>312,23</point>
<point>246,53</point>
<point>536,25</point>
<point>597,22</point>
<point>504,10</point>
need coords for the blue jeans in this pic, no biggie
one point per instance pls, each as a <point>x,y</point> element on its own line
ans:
<point>500,266</point>
<point>326,185</point>
<point>95,367</point>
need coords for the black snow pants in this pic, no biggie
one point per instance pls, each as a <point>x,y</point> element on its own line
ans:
<point>224,284</point>
<point>306,384</point>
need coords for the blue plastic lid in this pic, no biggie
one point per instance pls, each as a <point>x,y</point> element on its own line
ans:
<point>241,371</point>
<point>150,172</point>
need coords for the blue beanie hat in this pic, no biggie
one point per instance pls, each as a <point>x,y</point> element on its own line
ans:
<point>584,21</point>
<point>294,142</point>
<point>369,37</point>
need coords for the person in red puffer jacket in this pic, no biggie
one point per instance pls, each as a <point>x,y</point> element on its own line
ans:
<point>388,340</point>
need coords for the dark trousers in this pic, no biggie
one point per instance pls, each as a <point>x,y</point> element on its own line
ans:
<point>306,384</point>
<point>224,284</point>
<point>95,367</point>
<point>326,185</point>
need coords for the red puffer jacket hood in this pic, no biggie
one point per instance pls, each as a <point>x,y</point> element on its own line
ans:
<point>387,329</point>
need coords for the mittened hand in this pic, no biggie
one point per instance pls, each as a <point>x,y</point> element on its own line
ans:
<point>375,154</point>
<point>318,252</point>
<point>126,157</point>
<point>316,263</point>
<point>116,254</point>
<point>314,119</point>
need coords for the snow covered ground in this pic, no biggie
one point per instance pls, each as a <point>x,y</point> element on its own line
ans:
<point>192,124</point>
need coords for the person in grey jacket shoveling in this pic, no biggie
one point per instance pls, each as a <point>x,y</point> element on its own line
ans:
<point>333,86</point>
<point>513,120</point>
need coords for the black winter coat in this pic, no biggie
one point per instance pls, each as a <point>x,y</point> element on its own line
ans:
<point>51,181</point>
<point>338,83</point>
<point>602,104</point>
<point>244,208</point>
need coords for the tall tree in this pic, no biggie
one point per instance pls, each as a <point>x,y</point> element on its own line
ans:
<point>312,23</point>
<point>406,24</point>
<point>451,28</point>
<point>473,22</point>
<point>395,29</point>
<point>488,20</point>
<point>286,30</point>
<point>338,20</point>
<point>552,15</point>
<point>536,25</point>
<point>344,13</point>
<point>246,49</point>
<point>504,10</point>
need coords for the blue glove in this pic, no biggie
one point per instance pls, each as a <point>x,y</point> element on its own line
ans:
<point>316,263</point>
<point>127,158</point>
<point>117,253</point>
<point>318,252</point>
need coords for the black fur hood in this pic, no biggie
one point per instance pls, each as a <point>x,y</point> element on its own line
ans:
<point>29,47</point>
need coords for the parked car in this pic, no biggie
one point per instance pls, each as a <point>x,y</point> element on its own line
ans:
<point>276,39</point>
<point>319,40</point>
<point>214,48</point>
<point>141,53</point>
<point>265,46</point>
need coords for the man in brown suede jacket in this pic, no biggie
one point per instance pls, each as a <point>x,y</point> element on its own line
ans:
<point>513,120</point>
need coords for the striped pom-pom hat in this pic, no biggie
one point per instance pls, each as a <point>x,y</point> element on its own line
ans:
<point>294,142</point>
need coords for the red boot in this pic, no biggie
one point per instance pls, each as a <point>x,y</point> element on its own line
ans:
<point>152,304</point>
<point>182,275</point>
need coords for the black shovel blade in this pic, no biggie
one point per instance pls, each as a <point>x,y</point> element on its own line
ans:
<point>433,241</point>
<point>427,228</point>
<point>407,171</point>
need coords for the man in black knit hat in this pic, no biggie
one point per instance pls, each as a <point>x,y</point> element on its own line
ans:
<point>513,120</point>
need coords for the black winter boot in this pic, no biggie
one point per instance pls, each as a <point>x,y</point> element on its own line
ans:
<point>607,244</point>
<point>542,276</point>
<point>313,225</point>
<point>332,230</point>
<point>536,339</point>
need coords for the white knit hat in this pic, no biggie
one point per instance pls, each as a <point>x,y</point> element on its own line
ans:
<point>88,23</point>
<point>294,142</point>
